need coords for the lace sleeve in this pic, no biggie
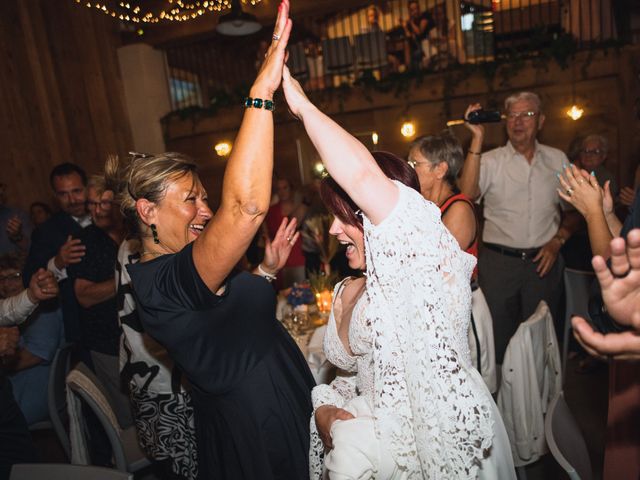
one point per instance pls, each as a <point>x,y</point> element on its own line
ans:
<point>342,389</point>
<point>428,409</point>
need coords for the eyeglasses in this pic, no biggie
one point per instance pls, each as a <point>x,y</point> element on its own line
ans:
<point>594,151</point>
<point>524,115</point>
<point>413,163</point>
<point>10,277</point>
<point>104,204</point>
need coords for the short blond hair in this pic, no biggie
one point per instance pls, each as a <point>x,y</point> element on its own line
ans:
<point>145,177</point>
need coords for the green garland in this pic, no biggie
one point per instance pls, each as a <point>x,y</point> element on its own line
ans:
<point>544,48</point>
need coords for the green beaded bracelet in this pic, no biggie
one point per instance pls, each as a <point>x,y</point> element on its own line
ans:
<point>259,103</point>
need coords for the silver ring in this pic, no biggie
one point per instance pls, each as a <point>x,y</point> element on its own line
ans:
<point>276,36</point>
<point>288,239</point>
<point>569,191</point>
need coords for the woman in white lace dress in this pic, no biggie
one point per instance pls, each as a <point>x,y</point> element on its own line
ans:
<point>410,404</point>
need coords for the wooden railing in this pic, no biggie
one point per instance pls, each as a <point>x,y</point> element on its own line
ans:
<point>375,43</point>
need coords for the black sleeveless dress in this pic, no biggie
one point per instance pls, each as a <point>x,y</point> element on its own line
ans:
<point>252,386</point>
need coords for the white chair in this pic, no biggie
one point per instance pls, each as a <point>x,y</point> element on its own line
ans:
<point>55,471</point>
<point>576,285</point>
<point>565,440</point>
<point>531,377</point>
<point>481,342</point>
<point>127,455</point>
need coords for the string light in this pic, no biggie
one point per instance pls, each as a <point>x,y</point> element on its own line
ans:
<point>175,10</point>
<point>375,138</point>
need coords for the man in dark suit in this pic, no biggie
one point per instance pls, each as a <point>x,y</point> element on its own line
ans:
<point>53,243</point>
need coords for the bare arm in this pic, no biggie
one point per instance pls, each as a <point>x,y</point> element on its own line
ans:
<point>461,222</point>
<point>347,160</point>
<point>246,188</point>
<point>469,181</point>
<point>91,293</point>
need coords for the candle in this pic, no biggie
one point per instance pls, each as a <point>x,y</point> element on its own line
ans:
<point>323,301</point>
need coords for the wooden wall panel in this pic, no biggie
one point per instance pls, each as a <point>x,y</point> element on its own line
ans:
<point>61,96</point>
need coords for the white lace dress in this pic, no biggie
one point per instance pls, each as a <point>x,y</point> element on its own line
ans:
<point>411,361</point>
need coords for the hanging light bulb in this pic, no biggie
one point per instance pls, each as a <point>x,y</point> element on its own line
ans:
<point>223,149</point>
<point>408,129</point>
<point>318,169</point>
<point>575,112</point>
<point>375,138</point>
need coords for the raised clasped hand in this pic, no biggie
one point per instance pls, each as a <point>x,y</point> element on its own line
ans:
<point>42,286</point>
<point>477,130</point>
<point>270,74</point>
<point>293,92</point>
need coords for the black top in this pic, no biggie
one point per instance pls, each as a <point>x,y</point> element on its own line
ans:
<point>99,327</point>
<point>252,386</point>
<point>46,240</point>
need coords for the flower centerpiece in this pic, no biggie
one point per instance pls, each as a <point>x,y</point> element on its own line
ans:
<point>322,286</point>
<point>300,294</point>
<point>315,233</point>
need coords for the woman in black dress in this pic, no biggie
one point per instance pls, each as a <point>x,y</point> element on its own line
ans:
<point>251,384</point>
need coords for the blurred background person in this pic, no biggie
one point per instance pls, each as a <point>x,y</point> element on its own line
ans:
<point>15,226</point>
<point>39,212</point>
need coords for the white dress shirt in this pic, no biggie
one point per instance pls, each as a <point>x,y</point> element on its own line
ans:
<point>521,203</point>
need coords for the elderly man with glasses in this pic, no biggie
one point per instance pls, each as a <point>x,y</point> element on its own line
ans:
<point>525,223</point>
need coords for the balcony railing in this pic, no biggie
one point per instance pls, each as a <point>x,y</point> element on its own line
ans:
<point>398,38</point>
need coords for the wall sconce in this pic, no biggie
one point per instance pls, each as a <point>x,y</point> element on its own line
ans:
<point>375,138</point>
<point>408,129</point>
<point>223,149</point>
<point>575,112</point>
<point>319,170</point>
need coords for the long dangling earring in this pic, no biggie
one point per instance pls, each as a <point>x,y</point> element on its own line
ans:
<point>154,232</point>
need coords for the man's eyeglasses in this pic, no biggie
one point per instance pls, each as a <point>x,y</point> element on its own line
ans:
<point>104,204</point>
<point>593,151</point>
<point>523,115</point>
<point>10,277</point>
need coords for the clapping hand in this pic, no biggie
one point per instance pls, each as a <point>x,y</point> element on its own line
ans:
<point>277,250</point>
<point>627,194</point>
<point>621,294</point>
<point>70,252</point>
<point>581,190</point>
<point>14,228</point>
<point>42,286</point>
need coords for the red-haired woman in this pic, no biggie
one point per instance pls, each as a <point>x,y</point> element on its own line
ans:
<point>413,406</point>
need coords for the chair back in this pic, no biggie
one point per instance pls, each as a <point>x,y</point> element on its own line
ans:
<point>481,342</point>
<point>531,377</point>
<point>297,62</point>
<point>565,440</point>
<point>83,382</point>
<point>63,471</point>
<point>371,49</point>
<point>57,395</point>
<point>337,54</point>
<point>577,284</point>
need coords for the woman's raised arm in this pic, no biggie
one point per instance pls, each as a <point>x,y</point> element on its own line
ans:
<point>246,188</point>
<point>346,159</point>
